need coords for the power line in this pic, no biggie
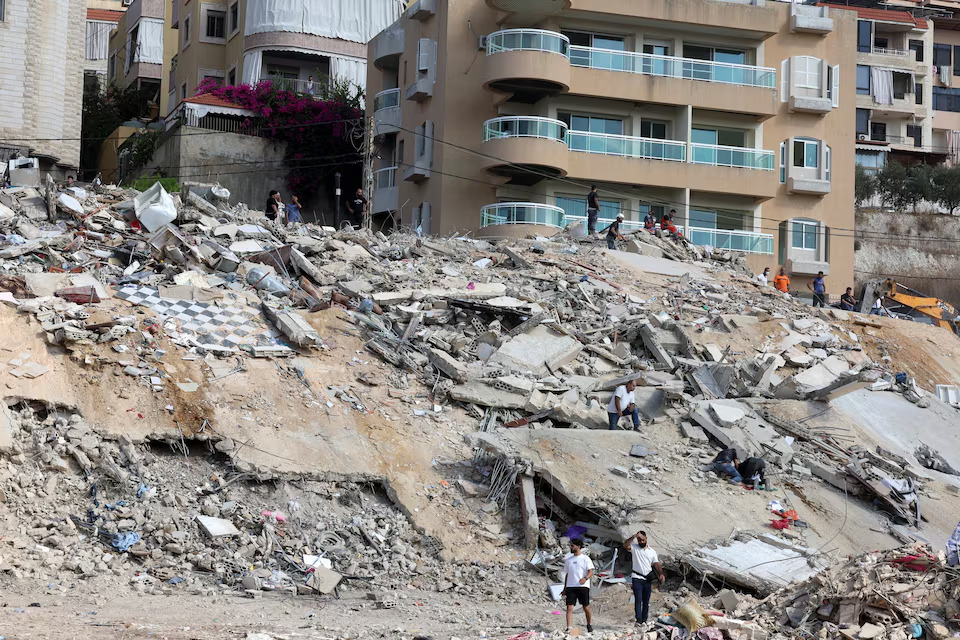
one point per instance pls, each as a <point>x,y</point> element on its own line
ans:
<point>258,170</point>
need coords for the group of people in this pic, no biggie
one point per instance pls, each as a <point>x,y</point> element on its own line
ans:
<point>288,213</point>
<point>613,229</point>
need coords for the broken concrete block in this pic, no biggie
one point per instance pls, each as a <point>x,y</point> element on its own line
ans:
<point>539,351</point>
<point>620,471</point>
<point>528,505</point>
<point>644,249</point>
<point>323,580</point>
<point>216,527</point>
<point>292,325</point>
<point>728,600</point>
<point>726,415</point>
<point>803,324</point>
<point>692,432</point>
<point>870,631</point>
<point>651,340</point>
<point>814,379</point>
<point>479,393</point>
<point>450,366</point>
<point>713,352</point>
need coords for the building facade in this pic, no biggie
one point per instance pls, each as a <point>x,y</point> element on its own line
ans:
<point>41,83</point>
<point>245,41</point>
<point>495,117</point>
<point>96,49</point>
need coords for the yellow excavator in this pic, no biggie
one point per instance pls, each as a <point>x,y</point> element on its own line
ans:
<point>919,307</point>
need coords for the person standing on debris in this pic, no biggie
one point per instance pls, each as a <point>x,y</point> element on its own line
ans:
<point>817,286</point>
<point>613,232</point>
<point>622,404</point>
<point>593,210</point>
<point>357,206</point>
<point>725,464</point>
<point>763,276</point>
<point>847,301</point>
<point>646,562</point>
<point>577,571</point>
<point>293,211</point>
<point>781,282</point>
<point>878,309</point>
<point>751,471</point>
<point>273,205</point>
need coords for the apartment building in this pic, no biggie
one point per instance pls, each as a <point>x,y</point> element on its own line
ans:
<point>245,41</point>
<point>142,48</point>
<point>41,83</point>
<point>494,117</point>
<point>102,18</point>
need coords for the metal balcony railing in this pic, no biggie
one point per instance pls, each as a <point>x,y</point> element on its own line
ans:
<point>745,241</point>
<point>385,178</point>
<point>723,156</point>
<point>528,40</point>
<point>386,99</point>
<point>626,146</point>
<point>524,127</point>
<point>521,213</point>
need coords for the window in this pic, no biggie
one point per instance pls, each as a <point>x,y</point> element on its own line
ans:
<point>783,162</point>
<point>597,59</point>
<point>881,43</point>
<point>111,67</point>
<point>234,17</point>
<point>216,23</point>
<point>723,137</point>
<point>592,124</point>
<point>956,60</point>
<point>806,153</point>
<point>864,36</point>
<point>186,31</point>
<point>917,47</point>
<point>833,85</point>
<point>183,91</point>
<point>941,55</point>
<point>2,3</point>
<point>653,129</point>
<point>827,157</point>
<point>863,121</point>
<point>918,92</point>
<point>902,85</point>
<point>232,77</point>
<point>806,234</point>
<point>878,131</point>
<point>863,80</point>
<point>946,99</point>
<point>915,131</point>
<point>871,160</point>
<point>807,70</point>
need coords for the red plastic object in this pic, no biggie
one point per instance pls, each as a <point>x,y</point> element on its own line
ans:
<point>780,524</point>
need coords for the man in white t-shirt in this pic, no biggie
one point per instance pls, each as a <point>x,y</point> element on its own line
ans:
<point>577,571</point>
<point>622,404</point>
<point>645,564</point>
<point>763,278</point>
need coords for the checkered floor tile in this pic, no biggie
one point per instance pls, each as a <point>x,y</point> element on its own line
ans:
<point>227,326</point>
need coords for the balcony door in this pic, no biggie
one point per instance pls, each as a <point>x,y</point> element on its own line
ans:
<point>714,72</point>
<point>654,63</point>
<point>593,133</point>
<point>714,139</point>
<point>603,54</point>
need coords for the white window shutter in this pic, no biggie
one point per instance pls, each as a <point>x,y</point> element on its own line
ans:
<point>423,54</point>
<point>836,86</point>
<point>785,80</point>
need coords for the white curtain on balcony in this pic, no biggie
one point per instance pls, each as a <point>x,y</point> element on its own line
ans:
<point>352,69</point>
<point>953,145</point>
<point>98,39</point>
<point>881,85</point>
<point>252,65</point>
<point>353,20</point>
<point>150,41</point>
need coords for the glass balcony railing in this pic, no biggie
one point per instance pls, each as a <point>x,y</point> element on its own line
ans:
<point>385,178</point>
<point>745,241</point>
<point>673,67</point>
<point>614,145</point>
<point>527,40</point>
<point>524,127</point>
<point>722,156</point>
<point>386,99</point>
<point>521,213</point>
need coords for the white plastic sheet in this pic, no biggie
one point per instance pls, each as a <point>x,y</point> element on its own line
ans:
<point>155,208</point>
<point>150,41</point>
<point>353,20</point>
<point>352,69</point>
<point>252,65</point>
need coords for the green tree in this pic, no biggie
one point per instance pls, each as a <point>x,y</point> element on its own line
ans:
<point>946,186</point>
<point>892,185</point>
<point>104,111</point>
<point>919,184</point>
<point>865,185</point>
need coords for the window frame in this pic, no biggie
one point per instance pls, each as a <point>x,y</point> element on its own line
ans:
<point>806,142</point>
<point>206,9</point>
<point>864,45</point>
<point>802,224</point>
<point>863,91</point>
<point>233,21</point>
<point>805,78</point>
<point>866,130</point>
<point>186,31</point>
<point>783,162</point>
<point>917,47</point>
<point>918,93</point>
<point>938,51</point>
<point>956,60</point>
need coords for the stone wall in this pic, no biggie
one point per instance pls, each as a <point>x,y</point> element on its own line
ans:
<point>921,251</point>
<point>41,77</point>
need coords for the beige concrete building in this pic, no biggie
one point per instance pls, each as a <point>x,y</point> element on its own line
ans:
<point>142,48</point>
<point>41,82</point>
<point>245,41</point>
<point>101,21</point>
<point>495,117</point>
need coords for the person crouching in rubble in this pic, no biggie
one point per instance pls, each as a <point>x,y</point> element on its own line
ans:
<point>577,571</point>
<point>751,470</point>
<point>725,464</point>
<point>645,564</point>
<point>622,404</point>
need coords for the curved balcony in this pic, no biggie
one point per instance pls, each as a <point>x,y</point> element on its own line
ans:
<point>386,112</point>
<point>385,192</point>
<point>528,63</point>
<point>513,218</point>
<point>387,46</point>
<point>526,149</point>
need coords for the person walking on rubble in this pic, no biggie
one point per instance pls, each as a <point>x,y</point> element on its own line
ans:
<point>577,571</point>
<point>646,563</point>
<point>593,210</point>
<point>819,289</point>
<point>613,232</point>
<point>357,206</point>
<point>293,211</point>
<point>622,403</point>
<point>272,210</point>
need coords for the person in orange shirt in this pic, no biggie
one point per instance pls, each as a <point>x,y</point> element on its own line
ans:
<point>781,281</point>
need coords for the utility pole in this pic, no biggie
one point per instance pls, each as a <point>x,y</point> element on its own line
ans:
<point>368,182</point>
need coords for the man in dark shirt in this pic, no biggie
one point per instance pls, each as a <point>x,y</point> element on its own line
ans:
<point>357,206</point>
<point>725,464</point>
<point>593,210</point>
<point>847,301</point>
<point>751,470</point>
<point>613,232</point>
<point>272,208</point>
<point>818,288</point>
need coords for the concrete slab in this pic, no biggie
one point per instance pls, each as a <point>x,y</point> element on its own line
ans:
<point>487,396</point>
<point>479,291</point>
<point>539,351</point>
<point>728,416</point>
<point>764,563</point>
<point>662,266</point>
<point>46,284</point>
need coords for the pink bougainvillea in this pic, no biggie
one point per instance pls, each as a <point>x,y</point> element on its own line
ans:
<point>317,132</point>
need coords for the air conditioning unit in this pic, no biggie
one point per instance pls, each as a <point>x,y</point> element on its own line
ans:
<point>126,3</point>
<point>482,43</point>
<point>861,136</point>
